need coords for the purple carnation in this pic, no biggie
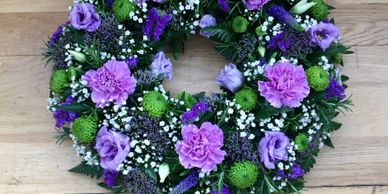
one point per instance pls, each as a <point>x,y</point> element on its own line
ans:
<point>201,147</point>
<point>273,147</point>
<point>283,16</point>
<point>83,17</point>
<point>110,177</point>
<point>286,85</point>
<point>230,78</point>
<point>189,117</point>
<point>224,5</point>
<point>113,148</point>
<point>111,82</point>
<point>206,21</point>
<point>254,4</point>
<point>335,90</point>
<point>162,65</point>
<point>323,34</point>
<point>63,117</point>
<point>224,190</point>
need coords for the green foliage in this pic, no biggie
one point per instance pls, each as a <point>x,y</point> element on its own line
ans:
<point>308,162</point>
<point>320,10</point>
<point>187,98</point>
<point>88,170</point>
<point>122,8</point>
<point>84,109</point>
<point>63,135</point>
<point>114,189</point>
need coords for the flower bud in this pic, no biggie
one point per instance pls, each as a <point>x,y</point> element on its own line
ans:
<point>78,56</point>
<point>164,171</point>
<point>302,7</point>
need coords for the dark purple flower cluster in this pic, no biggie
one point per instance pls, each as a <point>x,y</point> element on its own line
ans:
<point>109,3</point>
<point>132,61</point>
<point>224,190</point>
<point>189,182</point>
<point>137,182</point>
<point>291,43</point>
<point>63,117</point>
<point>145,79</point>
<point>240,148</point>
<point>246,47</point>
<point>155,24</point>
<point>283,16</point>
<point>195,111</point>
<point>295,172</point>
<point>335,90</point>
<point>56,35</point>
<point>224,5</point>
<point>109,177</point>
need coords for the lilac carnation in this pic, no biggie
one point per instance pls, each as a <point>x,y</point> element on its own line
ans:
<point>201,147</point>
<point>83,17</point>
<point>162,65</point>
<point>63,117</point>
<point>224,190</point>
<point>109,177</point>
<point>254,4</point>
<point>335,90</point>
<point>230,78</point>
<point>286,85</point>
<point>113,148</point>
<point>323,34</point>
<point>112,81</point>
<point>207,21</point>
<point>273,147</point>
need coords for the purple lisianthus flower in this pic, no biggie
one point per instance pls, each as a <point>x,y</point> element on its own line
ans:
<point>189,117</point>
<point>230,78</point>
<point>110,177</point>
<point>113,148</point>
<point>201,147</point>
<point>224,5</point>
<point>323,34</point>
<point>335,90</point>
<point>286,85</point>
<point>200,107</point>
<point>162,65</point>
<point>273,147</point>
<point>111,82</point>
<point>206,21</point>
<point>296,172</point>
<point>63,117</point>
<point>84,17</point>
<point>224,190</point>
<point>254,4</point>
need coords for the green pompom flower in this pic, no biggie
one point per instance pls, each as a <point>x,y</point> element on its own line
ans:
<point>302,141</point>
<point>320,10</point>
<point>155,104</point>
<point>122,8</point>
<point>318,78</point>
<point>243,174</point>
<point>59,81</point>
<point>240,24</point>
<point>247,99</point>
<point>84,129</point>
<point>187,98</point>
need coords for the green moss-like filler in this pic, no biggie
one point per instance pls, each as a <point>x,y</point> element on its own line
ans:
<point>320,10</point>
<point>302,141</point>
<point>122,8</point>
<point>243,174</point>
<point>155,104</point>
<point>187,98</point>
<point>84,129</point>
<point>318,78</point>
<point>247,99</point>
<point>240,24</point>
<point>59,81</point>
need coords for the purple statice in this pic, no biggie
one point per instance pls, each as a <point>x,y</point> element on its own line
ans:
<point>110,177</point>
<point>56,35</point>
<point>291,43</point>
<point>323,34</point>
<point>132,61</point>
<point>240,148</point>
<point>111,82</point>
<point>230,78</point>
<point>273,147</point>
<point>283,16</point>
<point>146,79</point>
<point>224,190</point>
<point>162,65</point>
<point>155,24</point>
<point>335,90</point>
<point>246,47</point>
<point>84,17</point>
<point>296,172</point>
<point>200,107</point>
<point>189,182</point>
<point>224,5</point>
<point>137,182</point>
<point>207,20</point>
<point>254,4</point>
<point>189,117</point>
<point>63,117</point>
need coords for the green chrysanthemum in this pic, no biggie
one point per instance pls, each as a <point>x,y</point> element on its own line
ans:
<point>122,8</point>
<point>59,81</point>
<point>84,129</point>
<point>187,98</point>
<point>302,141</point>
<point>247,99</point>
<point>318,78</point>
<point>320,10</point>
<point>240,24</point>
<point>155,104</point>
<point>243,174</point>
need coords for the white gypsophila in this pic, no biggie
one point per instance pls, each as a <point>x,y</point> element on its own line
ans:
<point>252,70</point>
<point>84,152</point>
<point>79,90</point>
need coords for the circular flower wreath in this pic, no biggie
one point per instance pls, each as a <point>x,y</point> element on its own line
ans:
<point>281,93</point>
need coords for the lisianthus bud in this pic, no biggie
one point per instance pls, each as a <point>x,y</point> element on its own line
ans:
<point>122,8</point>
<point>261,51</point>
<point>59,81</point>
<point>302,7</point>
<point>78,56</point>
<point>164,171</point>
<point>84,129</point>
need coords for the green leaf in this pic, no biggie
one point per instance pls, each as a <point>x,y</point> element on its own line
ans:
<point>328,142</point>
<point>151,173</point>
<point>308,162</point>
<point>78,108</point>
<point>88,170</point>
<point>114,189</point>
<point>331,127</point>
<point>63,135</point>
